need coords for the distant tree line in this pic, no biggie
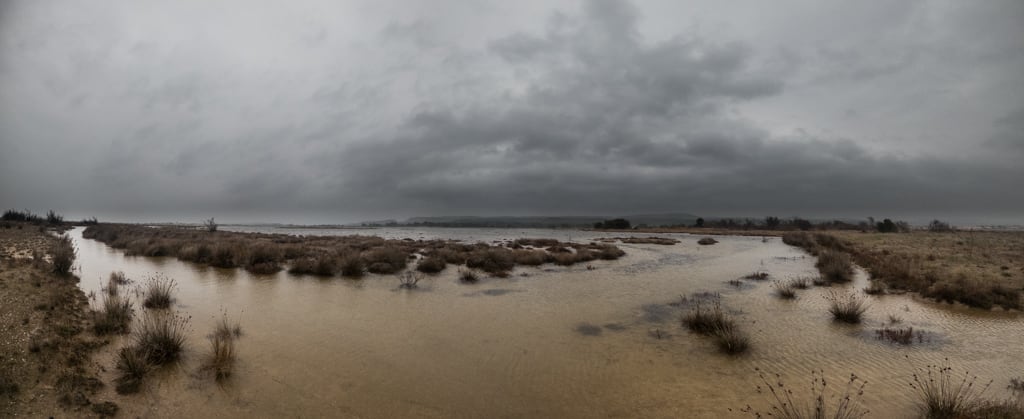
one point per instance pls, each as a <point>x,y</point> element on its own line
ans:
<point>613,224</point>
<point>796,223</point>
<point>52,217</point>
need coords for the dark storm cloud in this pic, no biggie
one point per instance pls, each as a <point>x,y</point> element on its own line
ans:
<point>385,109</point>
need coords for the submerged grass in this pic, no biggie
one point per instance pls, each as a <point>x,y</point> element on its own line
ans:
<point>221,359</point>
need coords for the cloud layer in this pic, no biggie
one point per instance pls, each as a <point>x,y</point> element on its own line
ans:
<point>330,112</point>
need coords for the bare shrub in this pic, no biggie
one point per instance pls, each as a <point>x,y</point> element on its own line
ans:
<point>62,254</point>
<point>823,403</point>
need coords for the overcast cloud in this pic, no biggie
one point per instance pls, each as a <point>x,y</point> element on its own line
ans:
<point>340,111</point>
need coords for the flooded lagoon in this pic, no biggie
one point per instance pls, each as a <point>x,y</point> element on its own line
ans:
<point>549,341</point>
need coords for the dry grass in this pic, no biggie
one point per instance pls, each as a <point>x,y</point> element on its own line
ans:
<point>707,318</point>
<point>324,264</point>
<point>409,279</point>
<point>132,366</point>
<point>468,275</point>
<point>981,269</point>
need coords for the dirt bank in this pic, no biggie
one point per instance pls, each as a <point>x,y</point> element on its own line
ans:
<point>45,364</point>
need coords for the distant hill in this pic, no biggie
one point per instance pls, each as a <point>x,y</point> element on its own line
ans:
<point>547,221</point>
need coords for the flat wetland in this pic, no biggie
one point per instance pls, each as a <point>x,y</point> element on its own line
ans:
<point>594,338</point>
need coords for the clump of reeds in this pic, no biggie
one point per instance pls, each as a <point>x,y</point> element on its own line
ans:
<point>945,395</point>
<point>800,283</point>
<point>835,266</point>
<point>431,264</point>
<point>161,337</point>
<point>704,318</point>
<point>846,307</point>
<point>409,279</point>
<point>62,254</point>
<point>468,275</point>
<point>731,340</point>
<point>708,319</point>
<point>158,291</point>
<point>114,316</point>
<point>118,278</point>
<point>530,257</point>
<point>221,359</point>
<point>900,335</point>
<point>785,290</point>
<point>133,365</point>
<point>757,275</point>
<point>823,403</point>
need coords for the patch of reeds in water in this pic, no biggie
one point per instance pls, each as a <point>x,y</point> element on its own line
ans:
<point>846,307</point>
<point>820,403</point>
<point>707,318</point>
<point>158,292</point>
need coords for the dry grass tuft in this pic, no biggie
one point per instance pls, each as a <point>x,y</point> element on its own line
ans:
<point>846,307</point>
<point>158,291</point>
<point>823,403</point>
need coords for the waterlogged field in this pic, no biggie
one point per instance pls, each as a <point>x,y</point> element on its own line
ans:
<point>600,339</point>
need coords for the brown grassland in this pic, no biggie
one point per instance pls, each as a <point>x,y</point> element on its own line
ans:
<point>981,269</point>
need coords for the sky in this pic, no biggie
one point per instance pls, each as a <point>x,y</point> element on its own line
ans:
<point>341,111</point>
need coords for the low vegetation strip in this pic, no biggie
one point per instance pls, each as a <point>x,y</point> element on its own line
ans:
<point>978,269</point>
<point>329,255</point>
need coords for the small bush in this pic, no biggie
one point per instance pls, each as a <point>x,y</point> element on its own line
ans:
<point>785,290</point>
<point>431,264</point>
<point>757,275</point>
<point>468,275</point>
<point>846,307</point>
<point>835,266</point>
<point>409,279</point>
<point>63,255</point>
<point>706,241</point>
<point>530,257</point>
<point>158,292</point>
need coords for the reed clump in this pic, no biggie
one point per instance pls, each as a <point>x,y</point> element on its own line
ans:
<point>221,359</point>
<point>161,337</point>
<point>324,264</point>
<point>785,290</point>
<point>707,318</point>
<point>114,316</point>
<point>846,307</point>
<point>943,394</point>
<point>823,401</point>
<point>158,292</point>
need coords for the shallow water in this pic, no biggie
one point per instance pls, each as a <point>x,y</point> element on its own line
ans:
<point>555,342</point>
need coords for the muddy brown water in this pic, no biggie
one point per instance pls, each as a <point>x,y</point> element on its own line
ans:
<point>546,342</point>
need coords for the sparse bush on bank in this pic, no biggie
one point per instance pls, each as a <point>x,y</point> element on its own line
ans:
<point>352,266</point>
<point>114,315</point>
<point>385,260</point>
<point>263,259</point>
<point>62,255</point>
<point>324,264</point>
<point>493,261</point>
